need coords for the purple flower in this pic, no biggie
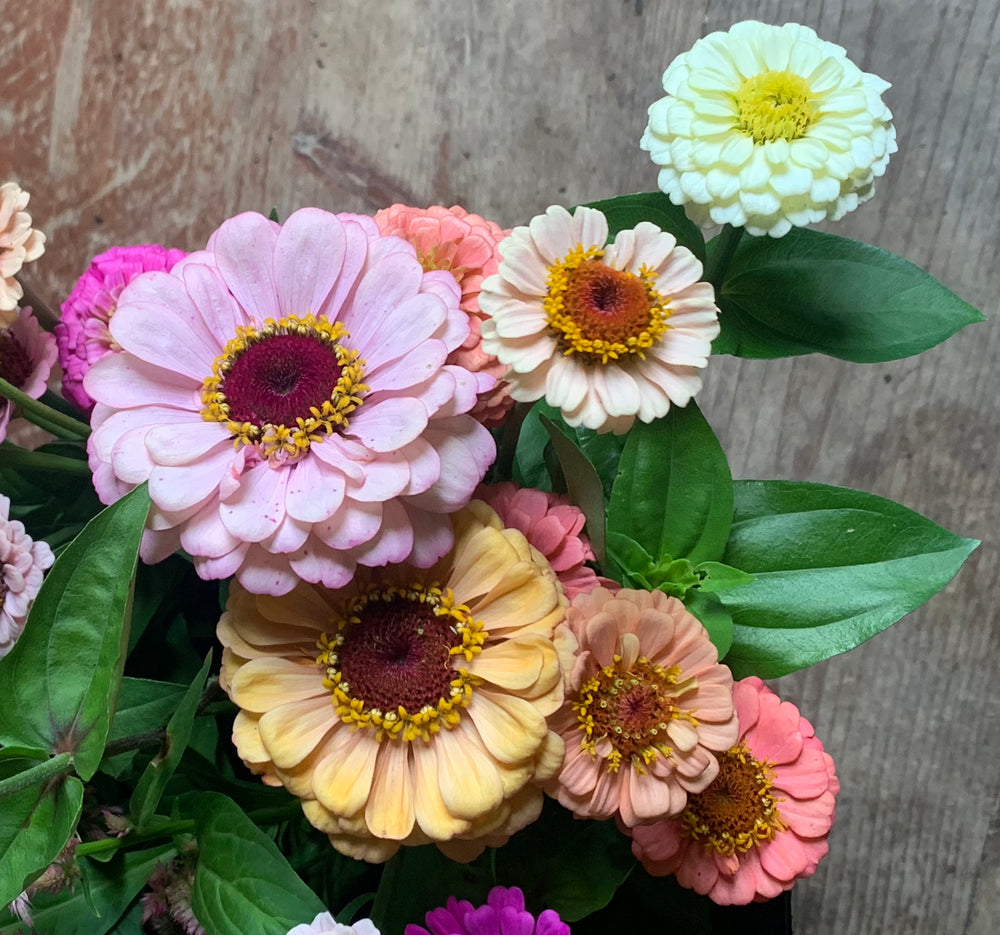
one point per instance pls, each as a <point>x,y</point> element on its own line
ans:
<point>503,914</point>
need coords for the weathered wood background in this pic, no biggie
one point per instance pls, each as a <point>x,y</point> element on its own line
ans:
<point>153,121</point>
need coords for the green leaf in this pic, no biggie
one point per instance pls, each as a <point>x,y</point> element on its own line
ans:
<point>626,211</point>
<point>583,485</point>
<point>60,681</point>
<point>153,781</point>
<point>143,705</point>
<point>539,861</point>
<point>716,577</point>
<point>111,887</point>
<point>35,825</point>
<point>714,618</point>
<point>243,883</point>
<point>674,492</point>
<point>832,567</point>
<point>809,292</point>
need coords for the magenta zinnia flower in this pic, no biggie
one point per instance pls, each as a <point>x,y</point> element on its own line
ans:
<point>552,525</point>
<point>27,354</point>
<point>763,822</point>
<point>82,334</point>
<point>285,394</point>
<point>502,914</point>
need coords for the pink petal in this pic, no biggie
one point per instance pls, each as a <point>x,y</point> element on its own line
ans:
<point>308,256</point>
<point>244,251</point>
<point>389,424</point>
<point>314,493</point>
<point>254,511</point>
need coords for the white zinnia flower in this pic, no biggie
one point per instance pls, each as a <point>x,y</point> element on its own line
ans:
<point>325,924</point>
<point>19,244</point>
<point>608,333</point>
<point>23,563</point>
<point>768,128</point>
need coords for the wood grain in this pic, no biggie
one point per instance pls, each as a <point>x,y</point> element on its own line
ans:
<point>153,121</point>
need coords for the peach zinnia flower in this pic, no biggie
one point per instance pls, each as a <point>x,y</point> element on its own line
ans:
<point>465,245</point>
<point>19,244</point>
<point>553,526</point>
<point>607,332</point>
<point>649,708</point>
<point>763,823</point>
<point>410,706</point>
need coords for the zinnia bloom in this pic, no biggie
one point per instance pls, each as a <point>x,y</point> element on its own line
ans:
<point>24,562</point>
<point>285,394</point>
<point>502,914</point>
<point>465,245</point>
<point>27,354</point>
<point>608,333</point>
<point>82,333</point>
<point>763,823</point>
<point>768,128</point>
<point>19,244</point>
<point>649,709</point>
<point>409,706</point>
<point>553,526</point>
<point>326,924</point>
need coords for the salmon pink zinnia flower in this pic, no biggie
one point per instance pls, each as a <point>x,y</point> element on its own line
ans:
<point>465,245</point>
<point>764,820</point>
<point>82,333</point>
<point>649,709</point>
<point>286,395</point>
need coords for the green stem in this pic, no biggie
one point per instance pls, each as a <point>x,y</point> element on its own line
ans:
<point>46,317</point>
<point>44,416</point>
<point>59,404</point>
<point>12,456</point>
<point>720,258</point>
<point>36,775</point>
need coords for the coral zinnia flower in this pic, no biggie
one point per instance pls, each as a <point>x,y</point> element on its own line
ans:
<point>410,706</point>
<point>19,244</point>
<point>82,334</point>
<point>649,708</point>
<point>285,393</point>
<point>768,127</point>
<point>465,245</point>
<point>23,562</point>
<point>502,914</point>
<point>27,354</point>
<point>763,822</point>
<point>606,332</point>
<point>553,526</point>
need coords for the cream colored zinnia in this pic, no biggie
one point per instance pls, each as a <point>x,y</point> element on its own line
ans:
<point>19,244</point>
<point>410,706</point>
<point>768,128</point>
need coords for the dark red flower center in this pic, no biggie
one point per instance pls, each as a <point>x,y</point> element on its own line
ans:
<point>399,655</point>
<point>16,364</point>
<point>280,379</point>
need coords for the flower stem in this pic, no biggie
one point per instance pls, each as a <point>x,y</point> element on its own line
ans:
<point>44,416</point>
<point>43,312</point>
<point>36,775</point>
<point>12,456</point>
<point>719,259</point>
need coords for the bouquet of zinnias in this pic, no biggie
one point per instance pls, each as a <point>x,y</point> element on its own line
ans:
<point>397,570</point>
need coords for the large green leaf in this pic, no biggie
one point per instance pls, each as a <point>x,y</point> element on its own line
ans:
<point>152,783</point>
<point>832,567</point>
<point>110,887</point>
<point>60,681</point>
<point>809,292</point>
<point>674,492</point>
<point>626,211</point>
<point>243,883</point>
<point>35,825</point>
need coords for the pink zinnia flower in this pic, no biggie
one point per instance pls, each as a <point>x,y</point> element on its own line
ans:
<point>24,562</point>
<point>763,823</point>
<point>27,354</point>
<point>467,246</point>
<point>82,334</point>
<point>19,244</point>
<point>285,394</point>
<point>553,526</point>
<point>648,709</point>
<point>502,914</point>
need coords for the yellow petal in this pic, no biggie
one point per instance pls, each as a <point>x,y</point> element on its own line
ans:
<point>511,664</point>
<point>292,731</point>
<point>389,812</point>
<point>342,780</point>
<point>431,813</point>
<point>302,607</point>
<point>511,729</point>
<point>468,778</point>
<point>263,684</point>
<point>246,737</point>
